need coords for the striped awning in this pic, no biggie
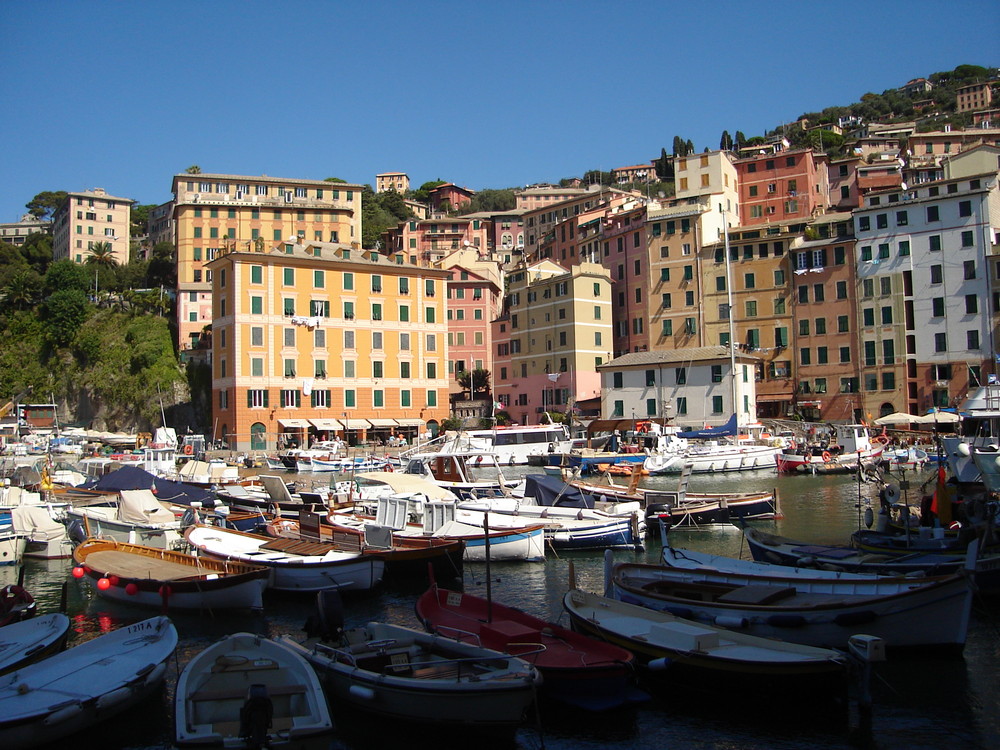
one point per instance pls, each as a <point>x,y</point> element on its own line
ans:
<point>355,424</point>
<point>383,422</point>
<point>410,422</point>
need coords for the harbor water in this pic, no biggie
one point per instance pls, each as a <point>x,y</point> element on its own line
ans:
<point>919,701</point>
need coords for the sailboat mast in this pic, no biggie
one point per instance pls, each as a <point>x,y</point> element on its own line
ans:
<point>729,305</point>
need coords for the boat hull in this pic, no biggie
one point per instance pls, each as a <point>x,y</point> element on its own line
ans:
<point>95,681</point>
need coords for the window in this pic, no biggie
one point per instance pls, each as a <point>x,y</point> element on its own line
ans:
<point>779,305</point>
<point>256,305</point>
<point>843,324</point>
<point>886,315</point>
<point>822,355</point>
<point>291,399</point>
<point>971,304</point>
<point>803,328</point>
<point>668,328</point>
<point>682,405</point>
<point>781,336</point>
<point>969,268</point>
<point>864,223</point>
<point>868,316</point>
<point>257,274</point>
<point>902,219</point>
<point>819,294</point>
<point>967,239</point>
<point>716,373</point>
<point>428,314</point>
<point>803,292</point>
<point>888,352</point>
<point>748,281</point>
<point>936,274</point>
<point>717,404</point>
<point>257,398</point>
<point>845,354</point>
<point>940,342</point>
<point>751,308</point>
<point>972,339</point>
<point>779,277</point>
<point>937,307</point>
<point>680,375</point>
<point>289,337</point>
<point>804,356</point>
<point>881,221</point>
<point>965,208</point>
<point>933,213</point>
<point>904,248</point>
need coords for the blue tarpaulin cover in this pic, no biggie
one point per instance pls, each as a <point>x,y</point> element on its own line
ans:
<point>134,478</point>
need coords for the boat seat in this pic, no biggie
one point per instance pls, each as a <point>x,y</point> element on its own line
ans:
<point>502,633</point>
<point>241,693</point>
<point>756,594</point>
<point>299,547</point>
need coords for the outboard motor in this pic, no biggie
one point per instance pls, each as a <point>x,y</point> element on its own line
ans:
<point>255,717</point>
<point>76,531</point>
<point>327,623</point>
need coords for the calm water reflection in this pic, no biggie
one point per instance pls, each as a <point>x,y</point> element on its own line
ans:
<point>920,703</point>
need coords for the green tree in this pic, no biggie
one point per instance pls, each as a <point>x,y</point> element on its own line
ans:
<point>43,205</point>
<point>37,250</point>
<point>423,193</point>
<point>726,141</point>
<point>66,275</point>
<point>335,179</point>
<point>23,290</point>
<point>490,201</point>
<point>139,219</point>
<point>63,312</point>
<point>162,270</point>
<point>740,140</point>
<point>475,381</point>
<point>193,169</point>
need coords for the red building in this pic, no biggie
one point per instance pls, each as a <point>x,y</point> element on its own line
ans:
<point>449,196</point>
<point>782,187</point>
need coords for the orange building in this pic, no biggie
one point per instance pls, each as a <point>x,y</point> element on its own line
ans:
<point>782,187</point>
<point>316,339</point>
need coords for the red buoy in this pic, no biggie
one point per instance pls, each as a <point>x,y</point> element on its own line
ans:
<point>131,589</point>
<point>103,584</point>
<point>78,572</point>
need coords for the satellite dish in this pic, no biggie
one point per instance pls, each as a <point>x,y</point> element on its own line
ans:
<point>902,186</point>
<point>293,238</point>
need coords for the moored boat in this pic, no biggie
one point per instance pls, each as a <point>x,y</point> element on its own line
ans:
<point>576,670</point>
<point>294,565</point>
<point>86,684</point>
<point>926,612</point>
<point>156,577</point>
<point>702,652</point>
<point>396,673</point>
<point>28,641</point>
<point>248,691</point>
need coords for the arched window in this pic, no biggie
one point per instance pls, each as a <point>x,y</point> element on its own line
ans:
<point>886,409</point>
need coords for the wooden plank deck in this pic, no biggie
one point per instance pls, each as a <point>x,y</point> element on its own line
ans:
<point>131,565</point>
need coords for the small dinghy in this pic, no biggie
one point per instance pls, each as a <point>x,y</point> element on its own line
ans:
<point>248,691</point>
<point>73,690</point>
<point>32,640</point>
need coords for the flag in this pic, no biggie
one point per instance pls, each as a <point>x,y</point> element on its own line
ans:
<point>497,405</point>
<point>554,376</point>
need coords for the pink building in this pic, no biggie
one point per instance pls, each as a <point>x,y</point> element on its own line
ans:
<point>783,186</point>
<point>448,196</point>
<point>427,241</point>
<point>474,292</point>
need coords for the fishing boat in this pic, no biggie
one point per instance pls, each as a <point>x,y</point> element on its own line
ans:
<point>12,542</point>
<point>248,691</point>
<point>767,547</point>
<point>134,516</point>
<point>71,691</point>
<point>467,474</point>
<point>576,670</point>
<point>294,565</point>
<point>391,672</point>
<point>825,612</point>
<point>515,445</point>
<point>26,642</point>
<point>704,453</point>
<point>854,448</point>
<point>45,538</point>
<point>156,577</point>
<point>572,520</point>
<point>704,653</point>
<point>403,554</point>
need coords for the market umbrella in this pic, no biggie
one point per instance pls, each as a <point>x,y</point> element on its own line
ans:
<point>941,417</point>
<point>897,417</point>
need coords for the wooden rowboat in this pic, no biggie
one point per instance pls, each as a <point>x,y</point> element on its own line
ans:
<point>32,640</point>
<point>157,577</point>
<point>246,691</point>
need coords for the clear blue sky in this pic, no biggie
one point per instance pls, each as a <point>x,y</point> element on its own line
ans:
<point>123,95</point>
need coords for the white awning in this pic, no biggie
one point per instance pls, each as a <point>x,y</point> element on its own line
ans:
<point>383,422</point>
<point>326,424</point>
<point>410,422</point>
<point>298,423</point>
<point>356,424</point>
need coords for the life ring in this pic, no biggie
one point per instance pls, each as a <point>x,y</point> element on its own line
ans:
<point>827,458</point>
<point>188,449</point>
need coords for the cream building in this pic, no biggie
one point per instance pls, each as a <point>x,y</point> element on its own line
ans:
<point>88,218</point>
<point>386,181</point>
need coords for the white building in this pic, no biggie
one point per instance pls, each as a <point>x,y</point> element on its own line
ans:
<point>692,387</point>
<point>924,284</point>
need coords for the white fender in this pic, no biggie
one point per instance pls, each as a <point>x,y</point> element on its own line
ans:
<point>63,715</point>
<point>113,698</point>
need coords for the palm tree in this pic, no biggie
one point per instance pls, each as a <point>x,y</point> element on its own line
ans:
<point>101,254</point>
<point>22,291</point>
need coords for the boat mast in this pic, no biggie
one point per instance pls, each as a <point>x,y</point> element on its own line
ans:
<point>732,332</point>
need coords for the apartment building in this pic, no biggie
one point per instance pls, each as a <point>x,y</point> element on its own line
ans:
<point>428,241</point>
<point>217,212</point>
<point>312,339</point>
<point>927,151</point>
<point>823,304</point>
<point>89,218</point>
<point>973,97</point>
<point>843,179</point>
<point>386,181</point>
<point>554,332</point>
<point>691,387</point>
<point>711,173</point>
<point>758,273</point>
<point>635,173</point>
<point>16,232</point>
<point>924,288</point>
<point>623,233</point>
<point>537,196</point>
<point>540,222</point>
<point>448,197</point>
<point>782,187</point>
<point>473,302</point>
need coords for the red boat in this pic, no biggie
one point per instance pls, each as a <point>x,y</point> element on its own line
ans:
<point>576,669</point>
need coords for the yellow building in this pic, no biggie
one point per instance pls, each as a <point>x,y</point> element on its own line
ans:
<point>213,213</point>
<point>317,339</point>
